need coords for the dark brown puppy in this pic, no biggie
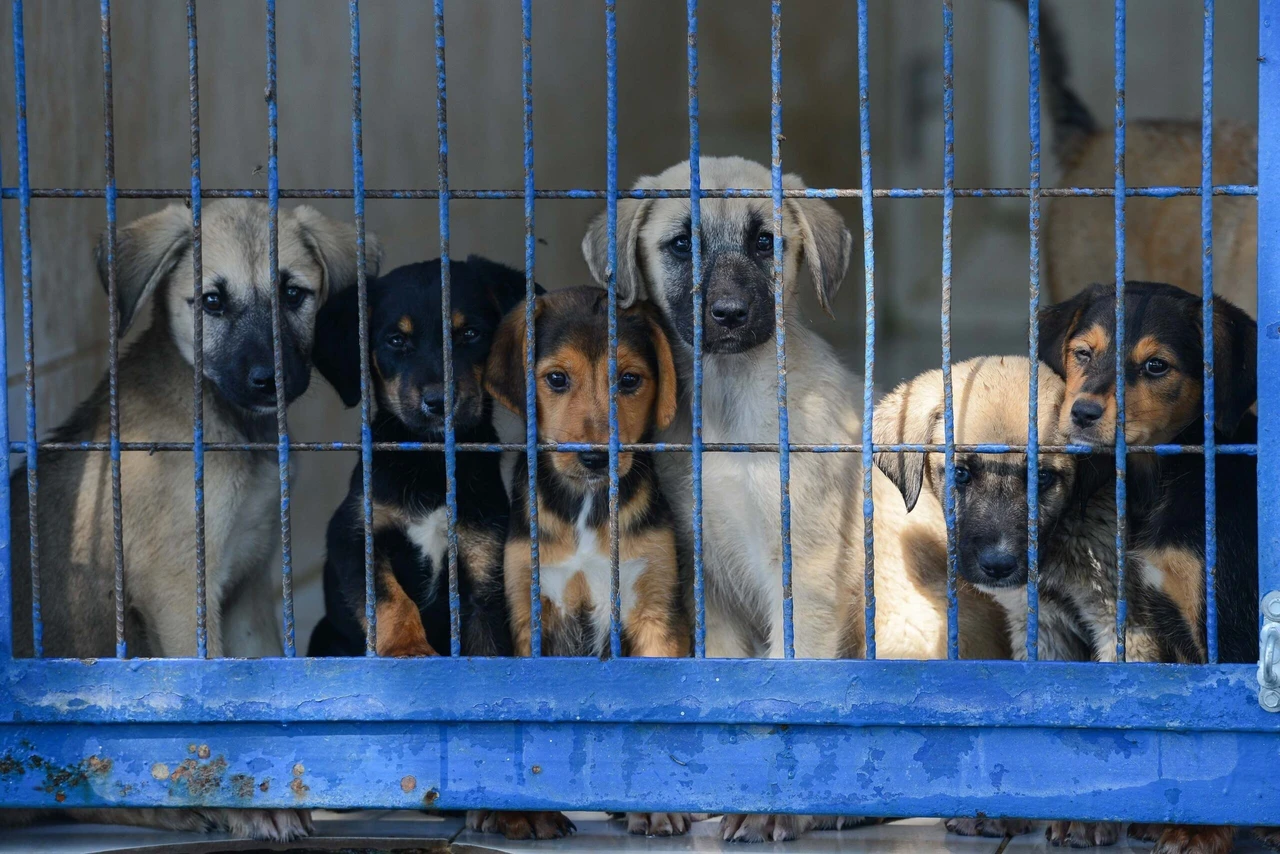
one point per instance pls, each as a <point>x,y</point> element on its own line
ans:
<point>571,370</point>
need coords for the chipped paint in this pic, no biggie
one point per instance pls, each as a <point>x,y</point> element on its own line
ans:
<point>408,784</point>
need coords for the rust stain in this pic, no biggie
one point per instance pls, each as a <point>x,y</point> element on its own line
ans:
<point>10,766</point>
<point>265,785</point>
<point>59,778</point>
<point>60,797</point>
<point>298,770</point>
<point>200,780</point>
<point>430,797</point>
<point>191,748</point>
<point>242,786</point>
<point>537,769</point>
<point>299,788</point>
<point>408,784</point>
<point>203,752</point>
<point>160,771</point>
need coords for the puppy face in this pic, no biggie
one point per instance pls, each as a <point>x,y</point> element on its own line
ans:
<point>571,370</point>
<point>655,253</point>
<point>406,340</point>
<point>1164,365</point>
<point>989,406</point>
<point>316,257</point>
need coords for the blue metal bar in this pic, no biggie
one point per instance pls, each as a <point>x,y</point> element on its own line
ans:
<point>869,353</point>
<point>1033,338</point>
<point>1268,296</point>
<point>362,300</point>
<point>197,319</point>
<point>1206,231</point>
<point>948,420</point>
<point>1122,463</point>
<point>28,350</point>
<point>530,351</point>
<point>695,236</point>
<point>1166,192</point>
<point>273,260</point>
<point>113,323</point>
<point>6,529</point>
<point>446,320</point>
<point>611,155</point>
<point>779,319</point>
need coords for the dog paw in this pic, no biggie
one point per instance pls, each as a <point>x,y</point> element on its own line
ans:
<point>763,828</point>
<point>1268,836</point>
<point>659,823</point>
<point>521,825</point>
<point>842,822</point>
<point>1195,839</point>
<point>265,825</point>
<point>996,828</point>
<point>1082,834</point>
<point>1145,831</point>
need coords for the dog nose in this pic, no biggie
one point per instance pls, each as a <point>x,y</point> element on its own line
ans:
<point>1085,412</point>
<point>433,403</point>
<point>729,312</point>
<point>262,379</point>
<point>997,563</point>
<point>594,460</point>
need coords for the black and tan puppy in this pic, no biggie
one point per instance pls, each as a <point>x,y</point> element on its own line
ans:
<point>409,513</point>
<point>571,372</point>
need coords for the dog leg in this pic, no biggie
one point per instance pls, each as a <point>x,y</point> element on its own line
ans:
<point>764,828</point>
<point>521,825</point>
<point>171,626</point>
<point>1195,839</point>
<point>250,624</point>
<point>658,823</point>
<point>994,828</point>
<point>1082,834</point>
<point>1268,836</point>
<point>265,825</point>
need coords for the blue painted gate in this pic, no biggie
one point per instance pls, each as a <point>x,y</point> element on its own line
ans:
<point>1192,744</point>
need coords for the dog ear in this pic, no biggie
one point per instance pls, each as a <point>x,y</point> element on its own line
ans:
<point>668,380</point>
<point>907,416</point>
<point>632,214</point>
<point>825,245</point>
<point>1235,364</point>
<point>504,285</point>
<point>333,243</point>
<point>337,342</point>
<point>147,251</point>
<point>1057,322</point>
<point>504,371</point>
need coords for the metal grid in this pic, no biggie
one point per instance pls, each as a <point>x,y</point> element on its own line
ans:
<point>682,703</point>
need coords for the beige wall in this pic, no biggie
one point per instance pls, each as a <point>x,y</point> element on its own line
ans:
<point>821,126</point>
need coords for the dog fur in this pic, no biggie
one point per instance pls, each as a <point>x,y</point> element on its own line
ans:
<point>317,256</point>
<point>742,545</point>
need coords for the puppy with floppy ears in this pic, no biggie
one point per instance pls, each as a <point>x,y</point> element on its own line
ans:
<point>571,372</point>
<point>409,514</point>
<point>153,256</point>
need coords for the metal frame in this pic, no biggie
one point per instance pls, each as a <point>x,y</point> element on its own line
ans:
<point>1144,742</point>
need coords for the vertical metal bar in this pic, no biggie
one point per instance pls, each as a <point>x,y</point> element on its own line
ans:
<point>197,319</point>
<point>779,319</point>
<point>1122,463</point>
<point>273,259</point>
<point>869,355</point>
<point>113,323</point>
<point>1268,297</point>
<point>530,351</point>
<point>1210,447</point>
<point>948,420</point>
<point>362,299</point>
<point>611,99</point>
<point>695,237</point>
<point>1033,336</point>
<point>446,320</point>
<point>6,529</point>
<point>28,351</point>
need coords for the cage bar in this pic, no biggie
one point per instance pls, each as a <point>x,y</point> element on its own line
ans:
<point>6,526</point>
<point>611,159</point>
<point>1122,463</point>
<point>1268,294</point>
<point>1033,336</point>
<point>197,336</point>
<point>1206,238</point>
<point>948,413</point>
<point>869,353</point>
<point>530,349</point>
<point>695,240</point>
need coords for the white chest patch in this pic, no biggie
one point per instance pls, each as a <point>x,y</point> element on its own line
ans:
<point>430,535</point>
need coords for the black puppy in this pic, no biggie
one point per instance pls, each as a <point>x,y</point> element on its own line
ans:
<point>409,514</point>
<point>1164,379</point>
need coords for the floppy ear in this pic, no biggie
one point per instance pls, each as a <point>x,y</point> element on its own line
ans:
<point>1057,322</point>
<point>1235,364</point>
<point>504,285</point>
<point>337,342</point>
<point>147,250</point>
<point>505,368</point>
<point>906,416</point>
<point>668,379</point>
<point>825,244</point>
<point>333,244</point>
<point>632,214</point>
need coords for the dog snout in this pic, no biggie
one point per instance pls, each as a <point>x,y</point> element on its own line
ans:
<point>262,379</point>
<point>433,402</point>
<point>729,311</point>
<point>594,460</point>
<point>1085,413</point>
<point>997,562</point>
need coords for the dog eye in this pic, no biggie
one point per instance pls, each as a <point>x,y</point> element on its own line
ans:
<point>682,246</point>
<point>396,341</point>
<point>1082,355</point>
<point>558,380</point>
<point>468,335</point>
<point>764,242</point>
<point>212,302</point>
<point>1156,367</point>
<point>294,296</point>
<point>629,381</point>
<point>1047,478</point>
<point>963,476</point>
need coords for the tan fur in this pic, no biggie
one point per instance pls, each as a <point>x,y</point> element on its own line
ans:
<point>1162,236</point>
<point>400,630</point>
<point>1181,577</point>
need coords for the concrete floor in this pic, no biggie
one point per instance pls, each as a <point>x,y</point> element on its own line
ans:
<point>378,832</point>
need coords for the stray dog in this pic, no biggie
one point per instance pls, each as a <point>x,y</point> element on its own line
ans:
<point>1162,236</point>
<point>741,508</point>
<point>406,361</point>
<point>571,371</point>
<point>317,257</point>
